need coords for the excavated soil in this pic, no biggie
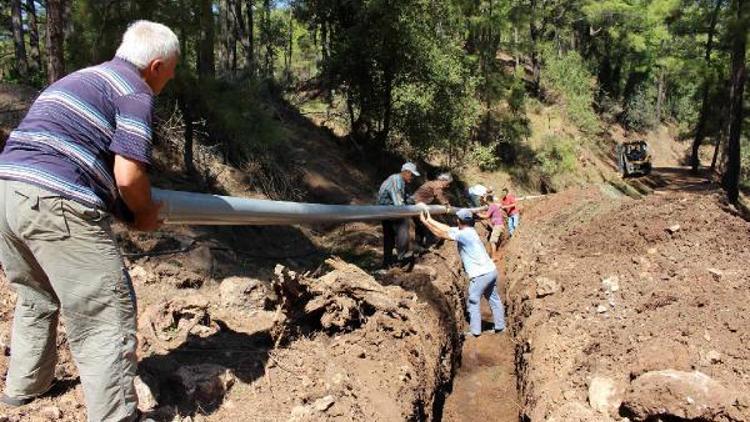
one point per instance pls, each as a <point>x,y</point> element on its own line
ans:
<point>632,308</point>
<point>221,339</point>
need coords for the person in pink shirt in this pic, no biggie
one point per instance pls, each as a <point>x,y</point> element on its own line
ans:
<point>496,215</point>
<point>510,205</point>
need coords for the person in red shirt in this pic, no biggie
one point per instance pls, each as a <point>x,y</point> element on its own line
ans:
<point>510,205</point>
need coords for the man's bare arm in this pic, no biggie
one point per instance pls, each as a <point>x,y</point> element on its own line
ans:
<point>438,229</point>
<point>135,189</point>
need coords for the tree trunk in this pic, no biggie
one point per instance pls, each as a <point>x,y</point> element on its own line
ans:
<point>717,148</point>
<point>290,41</point>
<point>232,35</point>
<point>55,40</point>
<point>206,59</point>
<point>388,108</point>
<point>183,31</point>
<point>226,34</point>
<point>536,62</point>
<point>187,116</point>
<point>22,65</point>
<point>251,36</point>
<point>245,32</point>
<point>703,117</point>
<point>266,30</point>
<point>324,41</point>
<point>36,57</point>
<point>660,88</point>
<point>68,27</point>
<point>731,176</point>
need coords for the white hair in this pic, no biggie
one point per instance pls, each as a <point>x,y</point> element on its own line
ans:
<point>146,41</point>
<point>446,177</point>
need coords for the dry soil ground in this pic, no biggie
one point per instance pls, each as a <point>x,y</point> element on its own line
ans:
<point>632,308</point>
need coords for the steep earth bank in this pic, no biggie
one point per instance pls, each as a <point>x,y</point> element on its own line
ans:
<point>633,309</point>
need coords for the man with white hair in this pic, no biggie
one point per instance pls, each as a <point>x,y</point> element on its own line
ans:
<point>78,158</point>
<point>429,193</point>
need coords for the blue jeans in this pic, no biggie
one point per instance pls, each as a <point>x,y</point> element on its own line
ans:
<point>484,285</point>
<point>512,223</point>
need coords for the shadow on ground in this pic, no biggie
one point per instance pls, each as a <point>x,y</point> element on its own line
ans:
<point>678,179</point>
<point>244,355</point>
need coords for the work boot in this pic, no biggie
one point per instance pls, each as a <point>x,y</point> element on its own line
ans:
<point>407,262</point>
<point>143,417</point>
<point>16,402</point>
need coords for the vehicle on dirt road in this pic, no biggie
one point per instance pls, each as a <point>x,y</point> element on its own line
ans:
<point>633,158</point>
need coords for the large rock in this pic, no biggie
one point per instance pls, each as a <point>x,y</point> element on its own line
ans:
<point>146,398</point>
<point>677,394</point>
<point>243,293</point>
<point>206,383</point>
<point>178,276</point>
<point>605,395</point>
<point>575,411</point>
<point>166,325</point>
<point>660,353</point>
<point>201,260</point>
<point>546,286</point>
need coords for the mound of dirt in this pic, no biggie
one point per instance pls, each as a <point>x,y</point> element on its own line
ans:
<point>296,345</point>
<point>647,289</point>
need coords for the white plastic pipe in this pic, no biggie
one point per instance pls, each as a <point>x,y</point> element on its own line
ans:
<point>205,209</point>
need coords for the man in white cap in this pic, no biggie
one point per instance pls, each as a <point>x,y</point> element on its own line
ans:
<point>478,194</point>
<point>396,232</point>
<point>478,267</point>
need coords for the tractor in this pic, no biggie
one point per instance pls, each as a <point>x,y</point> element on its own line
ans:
<point>633,158</point>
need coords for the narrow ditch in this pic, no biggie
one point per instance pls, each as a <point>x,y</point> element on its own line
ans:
<point>484,386</point>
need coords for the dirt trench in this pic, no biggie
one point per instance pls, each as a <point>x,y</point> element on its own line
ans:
<point>330,344</point>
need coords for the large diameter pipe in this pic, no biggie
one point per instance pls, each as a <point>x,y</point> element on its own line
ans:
<point>205,209</point>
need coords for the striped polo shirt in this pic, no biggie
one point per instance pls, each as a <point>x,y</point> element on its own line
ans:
<point>392,191</point>
<point>68,140</point>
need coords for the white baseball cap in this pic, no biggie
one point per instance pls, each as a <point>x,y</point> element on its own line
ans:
<point>411,167</point>
<point>465,215</point>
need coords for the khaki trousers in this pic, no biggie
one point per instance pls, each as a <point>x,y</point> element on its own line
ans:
<point>61,259</point>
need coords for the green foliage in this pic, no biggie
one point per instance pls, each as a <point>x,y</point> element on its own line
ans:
<point>567,76</point>
<point>237,118</point>
<point>556,158</point>
<point>429,77</point>
<point>438,114</point>
<point>484,156</point>
<point>640,113</point>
